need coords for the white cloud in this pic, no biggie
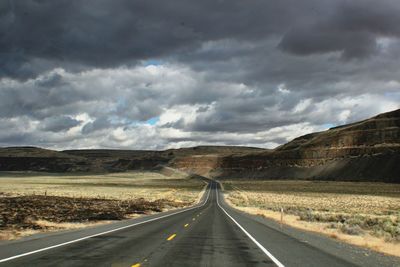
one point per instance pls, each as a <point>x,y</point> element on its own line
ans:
<point>192,108</point>
<point>302,105</point>
<point>282,89</point>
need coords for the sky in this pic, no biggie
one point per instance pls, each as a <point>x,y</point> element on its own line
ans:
<point>130,74</point>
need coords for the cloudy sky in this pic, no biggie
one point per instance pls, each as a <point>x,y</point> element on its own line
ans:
<point>166,74</point>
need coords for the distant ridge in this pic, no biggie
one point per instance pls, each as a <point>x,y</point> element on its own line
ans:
<point>368,150</point>
<point>102,160</point>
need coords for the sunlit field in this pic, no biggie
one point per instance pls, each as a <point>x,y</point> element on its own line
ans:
<point>122,186</point>
<point>365,214</point>
<point>37,202</point>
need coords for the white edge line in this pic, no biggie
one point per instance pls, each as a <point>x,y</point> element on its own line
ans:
<point>266,252</point>
<point>103,233</point>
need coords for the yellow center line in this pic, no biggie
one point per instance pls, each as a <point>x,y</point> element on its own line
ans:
<point>186,225</point>
<point>171,237</point>
<point>136,265</point>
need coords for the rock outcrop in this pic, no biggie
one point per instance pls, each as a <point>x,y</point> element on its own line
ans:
<point>367,150</point>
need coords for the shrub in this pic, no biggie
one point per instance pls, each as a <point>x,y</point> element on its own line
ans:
<point>308,216</point>
<point>351,229</point>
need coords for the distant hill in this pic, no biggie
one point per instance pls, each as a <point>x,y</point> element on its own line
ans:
<point>39,159</point>
<point>102,160</point>
<point>365,150</point>
<point>368,150</point>
<point>198,150</point>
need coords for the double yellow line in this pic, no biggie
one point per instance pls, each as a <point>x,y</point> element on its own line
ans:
<point>168,239</point>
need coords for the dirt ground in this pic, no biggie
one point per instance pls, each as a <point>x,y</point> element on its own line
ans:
<point>41,213</point>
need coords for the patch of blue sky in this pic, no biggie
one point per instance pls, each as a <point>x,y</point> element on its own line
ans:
<point>153,121</point>
<point>133,123</point>
<point>328,125</point>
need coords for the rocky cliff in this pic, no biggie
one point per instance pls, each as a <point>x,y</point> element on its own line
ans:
<point>366,150</point>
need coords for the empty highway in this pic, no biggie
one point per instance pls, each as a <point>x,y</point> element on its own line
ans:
<point>208,234</point>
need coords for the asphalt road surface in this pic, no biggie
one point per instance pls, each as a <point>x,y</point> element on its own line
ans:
<point>208,234</point>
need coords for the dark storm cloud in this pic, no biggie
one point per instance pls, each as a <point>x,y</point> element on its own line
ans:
<point>91,73</point>
<point>309,41</point>
<point>53,80</point>
<point>12,138</point>
<point>352,27</point>
<point>59,123</point>
<point>38,35</point>
<point>245,113</point>
<point>37,97</point>
<point>98,124</point>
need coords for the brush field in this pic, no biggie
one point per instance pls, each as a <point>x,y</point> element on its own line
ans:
<point>37,202</point>
<point>360,213</point>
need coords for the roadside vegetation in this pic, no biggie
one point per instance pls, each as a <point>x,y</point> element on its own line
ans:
<point>366,214</point>
<point>37,202</point>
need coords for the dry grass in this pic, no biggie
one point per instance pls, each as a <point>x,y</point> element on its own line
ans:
<point>47,213</point>
<point>122,186</point>
<point>365,214</point>
<point>37,202</point>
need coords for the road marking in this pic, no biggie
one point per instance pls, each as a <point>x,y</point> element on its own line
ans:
<point>171,237</point>
<point>136,265</point>
<point>193,219</point>
<point>266,252</point>
<point>103,233</point>
<point>186,225</point>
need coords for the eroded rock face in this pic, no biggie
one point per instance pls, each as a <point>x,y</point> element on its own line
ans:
<point>366,150</point>
<point>202,165</point>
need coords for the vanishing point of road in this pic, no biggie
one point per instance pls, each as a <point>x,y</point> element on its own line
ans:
<point>210,233</point>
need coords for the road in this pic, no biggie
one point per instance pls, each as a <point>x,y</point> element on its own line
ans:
<point>208,234</point>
